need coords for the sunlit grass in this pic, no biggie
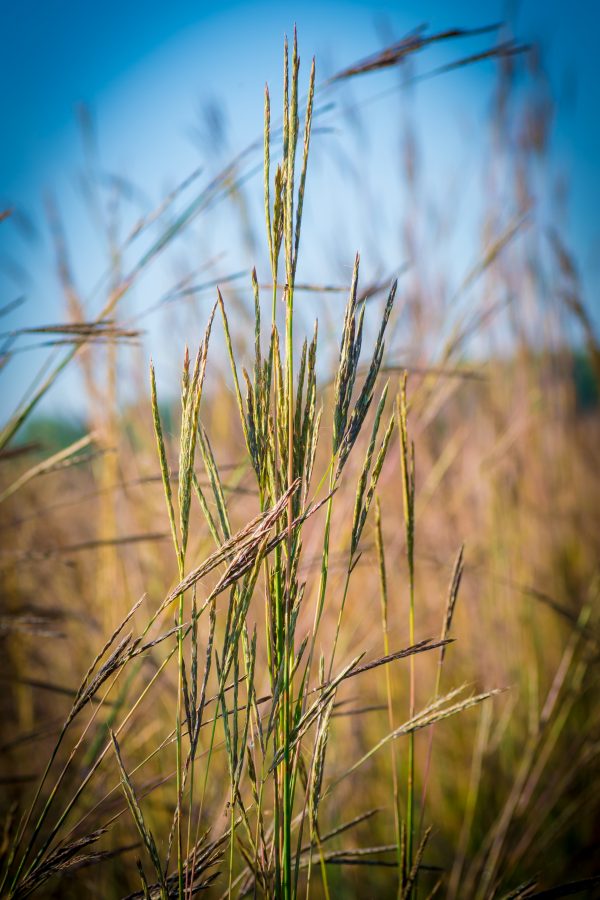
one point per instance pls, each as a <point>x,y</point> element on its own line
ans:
<point>227,735</point>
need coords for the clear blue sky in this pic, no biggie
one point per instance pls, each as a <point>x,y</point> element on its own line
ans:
<point>146,68</point>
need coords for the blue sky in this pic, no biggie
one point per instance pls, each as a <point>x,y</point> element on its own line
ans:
<point>145,70</point>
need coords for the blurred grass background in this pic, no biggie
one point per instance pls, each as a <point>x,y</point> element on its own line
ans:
<point>499,340</point>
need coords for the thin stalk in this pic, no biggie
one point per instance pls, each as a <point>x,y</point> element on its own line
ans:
<point>323,576</point>
<point>231,842</point>
<point>287,797</point>
<point>388,684</point>
<point>323,870</point>
<point>179,742</point>
<point>339,620</point>
<point>446,625</point>
<point>408,496</point>
<point>55,828</point>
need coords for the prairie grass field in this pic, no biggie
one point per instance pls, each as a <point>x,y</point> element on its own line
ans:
<point>308,605</point>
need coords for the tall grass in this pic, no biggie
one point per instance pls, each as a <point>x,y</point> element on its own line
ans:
<point>213,735</point>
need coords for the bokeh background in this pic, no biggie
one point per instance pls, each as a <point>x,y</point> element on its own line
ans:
<point>143,97</point>
<point>131,165</point>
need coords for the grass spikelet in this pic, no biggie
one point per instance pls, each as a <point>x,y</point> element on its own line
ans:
<point>365,397</point>
<point>433,713</point>
<point>60,861</point>
<point>360,506</point>
<point>267,171</point>
<point>138,817</point>
<point>47,465</point>
<point>238,393</point>
<point>189,431</point>
<point>302,185</point>
<point>162,457</point>
<point>348,362</point>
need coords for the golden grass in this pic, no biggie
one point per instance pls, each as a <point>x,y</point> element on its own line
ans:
<point>229,736</point>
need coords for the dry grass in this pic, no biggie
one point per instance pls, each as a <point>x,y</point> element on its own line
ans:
<point>302,572</point>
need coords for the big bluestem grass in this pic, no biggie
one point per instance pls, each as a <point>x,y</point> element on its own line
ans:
<point>215,735</point>
<point>280,424</point>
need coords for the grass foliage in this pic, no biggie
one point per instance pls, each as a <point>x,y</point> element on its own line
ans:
<point>214,743</point>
